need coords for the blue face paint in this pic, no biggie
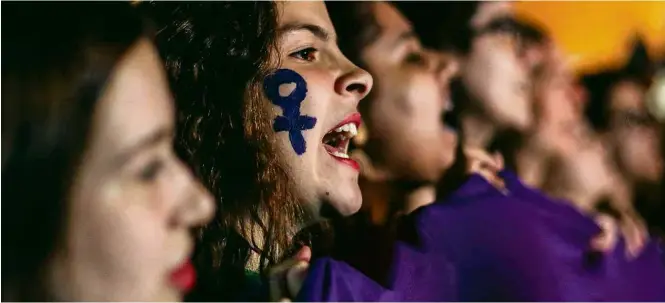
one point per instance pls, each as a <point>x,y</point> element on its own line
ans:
<point>291,121</point>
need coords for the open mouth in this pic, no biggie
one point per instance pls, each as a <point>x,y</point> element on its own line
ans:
<point>449,116</point>
<point>336,141</point>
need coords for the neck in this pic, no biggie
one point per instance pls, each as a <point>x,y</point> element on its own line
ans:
<point>582,200</point>
<point>478,130</point>
<point>385,199</point>
<point>531,165</point>
<point>621,197</point>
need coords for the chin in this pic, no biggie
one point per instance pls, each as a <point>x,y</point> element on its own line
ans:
<point>519,123</point>
<point>169,295</point>
<point>347,202</point>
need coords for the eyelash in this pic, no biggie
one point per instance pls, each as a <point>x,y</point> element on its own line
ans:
<point>414,58</point>
<point>150,172</point>
<point>305,54</point>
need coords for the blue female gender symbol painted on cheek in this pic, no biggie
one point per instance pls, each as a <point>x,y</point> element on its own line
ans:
<point>291,121</point>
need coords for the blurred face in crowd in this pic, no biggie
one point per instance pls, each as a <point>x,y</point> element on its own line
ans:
<point>633,133</point>
<point>581,162</point>
<point>493,71</point>
<point>133,203</point>
<point>334,87</point>
<point>582,171</point>
<point>558,104</point>
<point>407,135</point>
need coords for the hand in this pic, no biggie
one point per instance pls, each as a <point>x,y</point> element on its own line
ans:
<point>482,163</point>
<point>287,278</point>
<point>631,227</point>
<point>469,161</point>
<point>634,230</point>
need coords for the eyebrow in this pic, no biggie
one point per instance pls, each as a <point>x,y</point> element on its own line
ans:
<point>148,141</point>
<point>505,24</point>
<point>316,30</point>
<point>403,37</point>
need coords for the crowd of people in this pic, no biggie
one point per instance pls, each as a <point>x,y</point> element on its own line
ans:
<point>216,151</point>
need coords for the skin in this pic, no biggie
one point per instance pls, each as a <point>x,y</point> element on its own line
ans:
<point>307,44</point>
<point>133,203</point>
<point>410,96</point>
<point>558,103</point>
<point>581,169</point>
<point>635,146</point>
<point>411,79</point>
<point>490,10</point>
<point>495,75</point>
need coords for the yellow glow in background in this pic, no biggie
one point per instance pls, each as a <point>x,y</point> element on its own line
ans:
<point>599,34</point>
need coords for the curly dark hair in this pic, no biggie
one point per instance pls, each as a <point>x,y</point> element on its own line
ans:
<point>56,62</point>
<point>217,55</point>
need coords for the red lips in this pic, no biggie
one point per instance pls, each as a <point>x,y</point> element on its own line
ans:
<point>354,118</point>
<point>184,277</point>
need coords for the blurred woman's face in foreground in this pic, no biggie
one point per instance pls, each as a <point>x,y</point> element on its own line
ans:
<point>407,134</point>
<point>132,203</point>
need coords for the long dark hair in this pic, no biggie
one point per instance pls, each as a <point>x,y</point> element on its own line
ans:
<point>217,55</point>
<point>56,61</point>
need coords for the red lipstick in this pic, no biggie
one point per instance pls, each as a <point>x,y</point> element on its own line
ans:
<point>347,161</point>
<point>184,277</point>
<point>354,118</point>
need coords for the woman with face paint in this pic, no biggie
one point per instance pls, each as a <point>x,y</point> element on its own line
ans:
<point>267,106</point>
<point>97,207</point>
<point>463,226</point>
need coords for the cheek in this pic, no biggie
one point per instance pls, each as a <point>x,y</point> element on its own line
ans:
<point>119,241</point>
<point>290,94</point>
<point>641,148</point>
<point>493,78</point>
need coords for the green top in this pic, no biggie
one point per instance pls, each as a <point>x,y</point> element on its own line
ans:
<point>254,290</point>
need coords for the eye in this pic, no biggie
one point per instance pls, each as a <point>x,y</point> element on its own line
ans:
<point>151,171</point>
<point>307,54</point>
<point>415,58</point>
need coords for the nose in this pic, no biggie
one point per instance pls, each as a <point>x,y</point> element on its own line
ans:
<point>355,83</point>
<point>446,68</point>
<point>196,206</point>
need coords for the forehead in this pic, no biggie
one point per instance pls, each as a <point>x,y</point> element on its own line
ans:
<point>389,18</point>
<point>136,100</point>
<point>490,10</point>
<point>311,12</point>
<point>627,95</point>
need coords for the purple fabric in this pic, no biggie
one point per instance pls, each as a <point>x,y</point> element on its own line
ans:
<point>417,276</point>
<point>482,245</point>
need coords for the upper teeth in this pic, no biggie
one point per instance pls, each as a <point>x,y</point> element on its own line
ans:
<point>349,128</point>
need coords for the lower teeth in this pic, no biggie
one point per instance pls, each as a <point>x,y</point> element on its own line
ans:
<point>340,154</point>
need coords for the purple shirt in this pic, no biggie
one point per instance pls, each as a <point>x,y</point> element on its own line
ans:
<point>482,245</point>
